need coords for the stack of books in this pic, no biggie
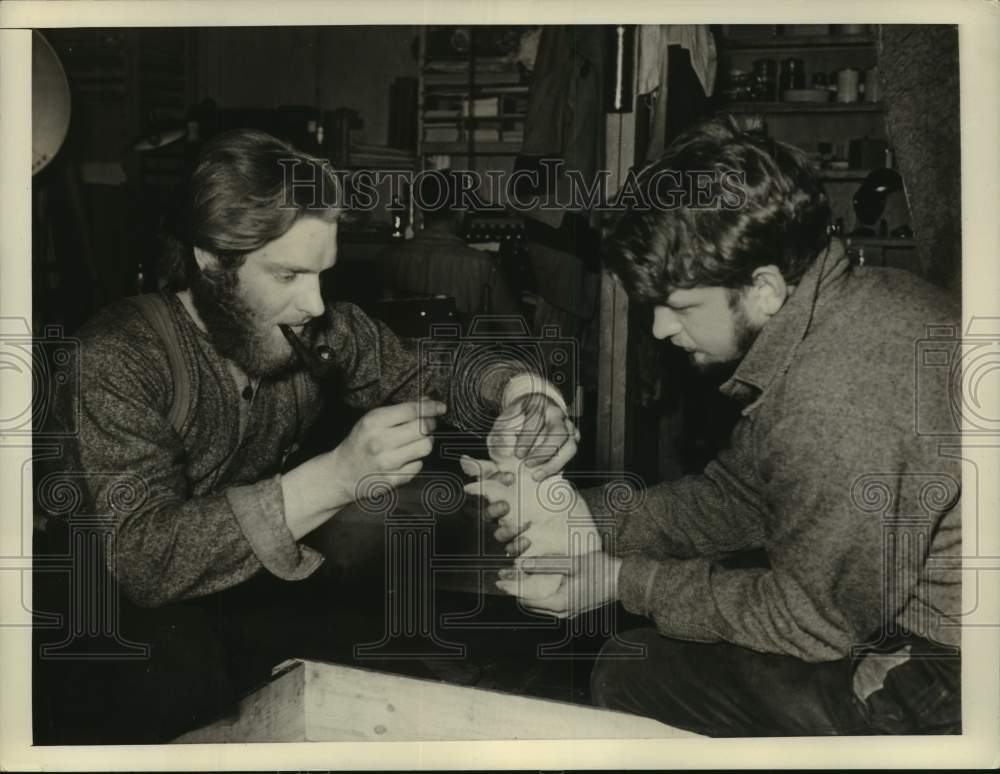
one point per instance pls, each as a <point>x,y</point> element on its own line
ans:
<point>486,132</point>
<point>481,107</point>
<point>442,133</point>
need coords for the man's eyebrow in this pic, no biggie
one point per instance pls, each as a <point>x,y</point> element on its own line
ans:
<point>682,303</point>
<point>276,266</point>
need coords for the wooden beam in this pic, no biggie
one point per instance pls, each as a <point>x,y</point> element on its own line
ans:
<point>319,702</point>
<point>613,341</point>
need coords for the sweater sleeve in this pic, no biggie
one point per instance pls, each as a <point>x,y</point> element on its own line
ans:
<point>375,365</point>
<point>129,464</point>
<point>712,513</point>
<point>824,590</point>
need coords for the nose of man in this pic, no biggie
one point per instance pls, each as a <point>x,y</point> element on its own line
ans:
<point>311,300</point>
<point>665,323</point>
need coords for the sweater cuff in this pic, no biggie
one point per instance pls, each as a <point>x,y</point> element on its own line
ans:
<point>674,593</point>
<point>636,580</point>
<point>620,527</point>
<point>259,509</point>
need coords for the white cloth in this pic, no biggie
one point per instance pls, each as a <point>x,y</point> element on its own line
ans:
<point>559,523</point>
<point>653,42</point>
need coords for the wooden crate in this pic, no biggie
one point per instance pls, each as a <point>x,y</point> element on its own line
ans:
<point>310,701</point>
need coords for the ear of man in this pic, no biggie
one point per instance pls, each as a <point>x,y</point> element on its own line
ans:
<point>206,261</point>
<point>767,293</point>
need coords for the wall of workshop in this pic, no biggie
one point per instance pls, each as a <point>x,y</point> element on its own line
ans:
<point>338,67</point>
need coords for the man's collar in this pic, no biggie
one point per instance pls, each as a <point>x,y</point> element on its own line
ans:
<point>775,345</point>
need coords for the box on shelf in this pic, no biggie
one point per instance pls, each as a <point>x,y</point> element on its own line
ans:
<point>441,133</point>
<point>486,133</point>
<point>488,107</point>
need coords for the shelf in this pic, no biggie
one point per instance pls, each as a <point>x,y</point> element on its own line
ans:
<point>478,149</point>
<point>801,107</point>
<point>791,42</point>
<point>844,174</point>
<point>869,241</point>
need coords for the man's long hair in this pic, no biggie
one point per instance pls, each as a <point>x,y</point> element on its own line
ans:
<point>247,189</point>
<point>775,211</point>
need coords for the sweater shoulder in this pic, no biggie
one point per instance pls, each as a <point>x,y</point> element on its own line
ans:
<point>119,346</point>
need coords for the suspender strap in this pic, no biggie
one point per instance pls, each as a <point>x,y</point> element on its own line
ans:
<point>299,385</point>
<point>154,309</point>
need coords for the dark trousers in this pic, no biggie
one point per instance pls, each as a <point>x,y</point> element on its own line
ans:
<point>203,656</point>
<point>719,689</point>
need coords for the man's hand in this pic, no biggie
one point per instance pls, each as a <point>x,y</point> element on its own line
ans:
<point>535,429</point>
<point>548,517</point>
<point>588,581</point>
<point>387,444</point>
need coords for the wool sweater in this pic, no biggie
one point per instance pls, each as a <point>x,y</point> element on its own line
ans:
<point>842,467</point>
<point>201,510</point>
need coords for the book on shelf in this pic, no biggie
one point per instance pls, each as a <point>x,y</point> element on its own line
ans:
<point>488,107</point>
<point>486,134</point>
<point>441,133</point>
<point>480,79</point>
<point>483,65</point>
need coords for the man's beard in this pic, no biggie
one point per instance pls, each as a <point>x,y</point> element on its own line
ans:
<point>235,331</point>
<point>744,335</point>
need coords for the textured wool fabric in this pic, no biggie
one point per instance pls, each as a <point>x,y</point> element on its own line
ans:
<point>199,511</point>
<point>844,467</point>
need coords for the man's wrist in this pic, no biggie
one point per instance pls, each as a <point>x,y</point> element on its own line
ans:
<point>616,570</point>
<point>310,497</point>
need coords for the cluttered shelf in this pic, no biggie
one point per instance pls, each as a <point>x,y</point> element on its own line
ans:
<point>873,241</point>
<point>479,149</point>
<point>801,107</point>
<point>833,175</point>
<point>474,86</point>
<point>794,42</point>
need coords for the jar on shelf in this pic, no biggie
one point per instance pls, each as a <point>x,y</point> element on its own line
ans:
<point>793,74</point>
<point>765,72</point>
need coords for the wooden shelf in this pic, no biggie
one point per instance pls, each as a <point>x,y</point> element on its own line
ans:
<point>478,149</point>
<point>869,241</point>
<point>843,174</point>
<point>801,107</point>
<point>792,42</point>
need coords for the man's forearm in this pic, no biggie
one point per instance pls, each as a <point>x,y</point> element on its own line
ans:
<point>311,497</point>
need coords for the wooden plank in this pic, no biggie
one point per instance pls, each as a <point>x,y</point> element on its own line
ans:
<point>272,714</point>
<point>348,704</point>
<point>613,338</point>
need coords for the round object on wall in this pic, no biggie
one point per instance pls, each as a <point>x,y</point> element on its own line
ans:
<point>50,103</point>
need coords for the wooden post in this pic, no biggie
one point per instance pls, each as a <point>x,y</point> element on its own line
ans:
<point>613,343</point>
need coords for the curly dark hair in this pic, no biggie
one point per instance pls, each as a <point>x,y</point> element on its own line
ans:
<point>763,205</point>
<point>247,189</point>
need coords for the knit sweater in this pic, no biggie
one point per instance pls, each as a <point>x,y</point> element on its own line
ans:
<point>201,510</point>
<point>828,471</point>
